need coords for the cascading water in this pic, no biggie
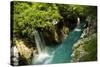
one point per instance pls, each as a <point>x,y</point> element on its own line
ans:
<point>78,25</point>
<point>42,55</point>
<point>39,43</point>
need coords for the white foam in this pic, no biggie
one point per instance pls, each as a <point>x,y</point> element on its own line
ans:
<point>77,29</point>
<point>42,58</point>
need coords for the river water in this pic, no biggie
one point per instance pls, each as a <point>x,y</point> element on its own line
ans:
<point>59,54</point>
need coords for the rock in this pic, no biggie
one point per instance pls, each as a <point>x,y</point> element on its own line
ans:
<point>65,31</point>
<point>24,51</point>
<point>79,49</point>
<point>14,56</point>
<point>78,53</point>
<point>55,36</point>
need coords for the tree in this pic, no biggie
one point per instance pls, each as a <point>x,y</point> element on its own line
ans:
<point>29,16</point>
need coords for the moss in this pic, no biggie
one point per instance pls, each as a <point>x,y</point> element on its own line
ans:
<point>90,47</point>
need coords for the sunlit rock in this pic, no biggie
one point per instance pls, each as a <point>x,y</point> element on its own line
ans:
<point>24,51</point>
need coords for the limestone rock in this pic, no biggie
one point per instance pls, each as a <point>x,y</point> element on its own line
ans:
<point>24,51</point>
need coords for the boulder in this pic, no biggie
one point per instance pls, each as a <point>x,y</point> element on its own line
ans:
<point>25,51</point>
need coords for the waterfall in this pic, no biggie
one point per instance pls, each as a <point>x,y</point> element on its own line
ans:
<point>43,44</point>
<point>78,21</point>
<point>42,55</point>
<point>39,42</point>
<point>78,25</point>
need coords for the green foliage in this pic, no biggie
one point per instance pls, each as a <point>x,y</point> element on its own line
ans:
<point>28,16</point>
<point>75,11</point>
<point>91,47</point>
<point>72,10</point>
